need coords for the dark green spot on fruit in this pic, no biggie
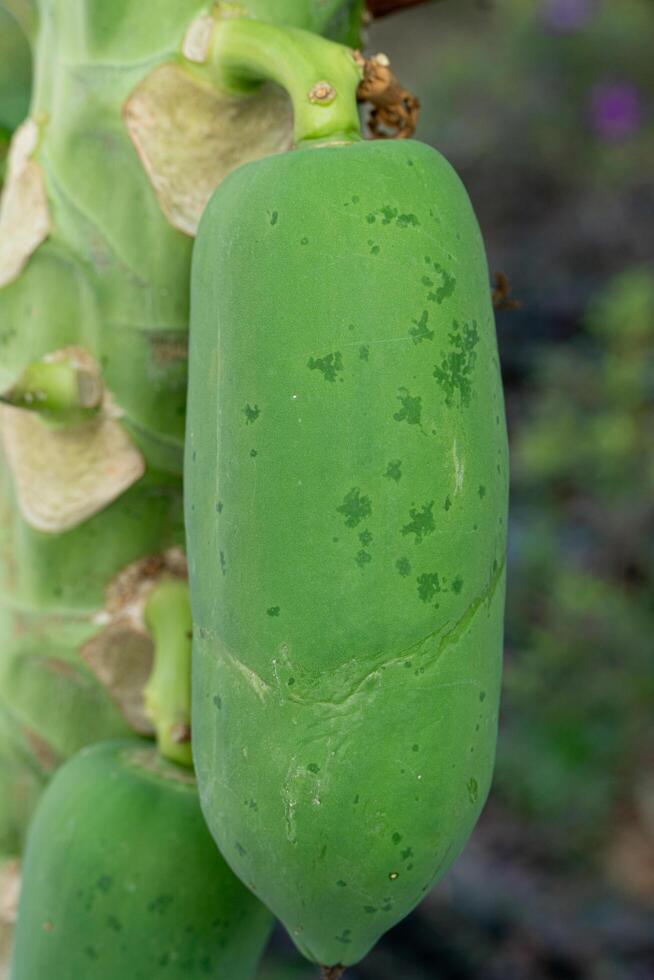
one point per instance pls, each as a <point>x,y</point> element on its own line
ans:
<point>364,352</point>
<point>355,507</point>
<point>421,523</point>
<point>341,884</point>
<point>273,218</point>
<point>407,221</point>
<point>365,538</point>
<point>454,375</point>
<point>223,564</point>
<point>329,366</point>
<point>252,413</point>
<point>394,470</point>
<point>457,585</point>
<point>420,331</point>
<point>448,284</point>
<point>363,558</point>
<point>482,492</point>
<point>429,585</point>
<point>411,408</point>
<point>217,702</point>
<point>396,838</point>
<point>473,790</point>
<point>313,767</point>
<point>253,453</point>
<point>403,566</point>
<point>273,611</point>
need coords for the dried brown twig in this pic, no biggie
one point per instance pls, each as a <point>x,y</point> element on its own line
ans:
<point>501,294</point>
<point>394,113</point>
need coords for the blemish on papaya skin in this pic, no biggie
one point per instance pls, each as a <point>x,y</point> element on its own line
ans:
<point>411,408</point>
<point>355,507</point>
<point>448,284</point>
<point>420,331</point>
<point>429,585</point>
<point>394,470</point>
<point>454,374</point>
<point>274,217</point>
<point>330,366</point>
<point>252,413</point>
<point>273,611</point>
<point>363,558</point>
<point>350,686</point>
<point>421,523</point>
<point>364,352</point>
<point>403,566</point>
<point>365,538</point>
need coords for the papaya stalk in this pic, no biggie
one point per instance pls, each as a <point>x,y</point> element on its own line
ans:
<point>168,691</point>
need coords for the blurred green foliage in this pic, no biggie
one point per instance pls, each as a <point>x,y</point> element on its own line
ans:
<point>579,687</point>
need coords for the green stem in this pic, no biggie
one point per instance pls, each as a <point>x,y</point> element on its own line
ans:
<point>61,389</point>
<point>168,691</point>
<point>321,77</point>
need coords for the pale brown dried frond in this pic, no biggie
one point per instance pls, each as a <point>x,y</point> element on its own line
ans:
<point>394,113</point>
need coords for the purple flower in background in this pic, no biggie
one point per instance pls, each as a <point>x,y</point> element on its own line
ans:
<point>615,109</point>
<point>566,16</point>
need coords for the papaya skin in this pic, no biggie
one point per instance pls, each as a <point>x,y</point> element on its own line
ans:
<point>100,901</point>
<point>346,499</point>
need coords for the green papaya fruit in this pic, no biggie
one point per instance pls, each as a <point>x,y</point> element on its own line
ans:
<point>346,499</point>
<point>122,879</point>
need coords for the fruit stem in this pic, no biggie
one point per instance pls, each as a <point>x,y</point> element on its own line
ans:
<point>64,388</point>
<point>320,76</point>
<point>168,691</point>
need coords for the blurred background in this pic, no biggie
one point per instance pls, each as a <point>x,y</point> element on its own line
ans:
<point>546,109</point>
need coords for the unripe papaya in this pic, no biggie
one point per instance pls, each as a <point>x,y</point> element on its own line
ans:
<point>346,497</point>
<point>122,879</point>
